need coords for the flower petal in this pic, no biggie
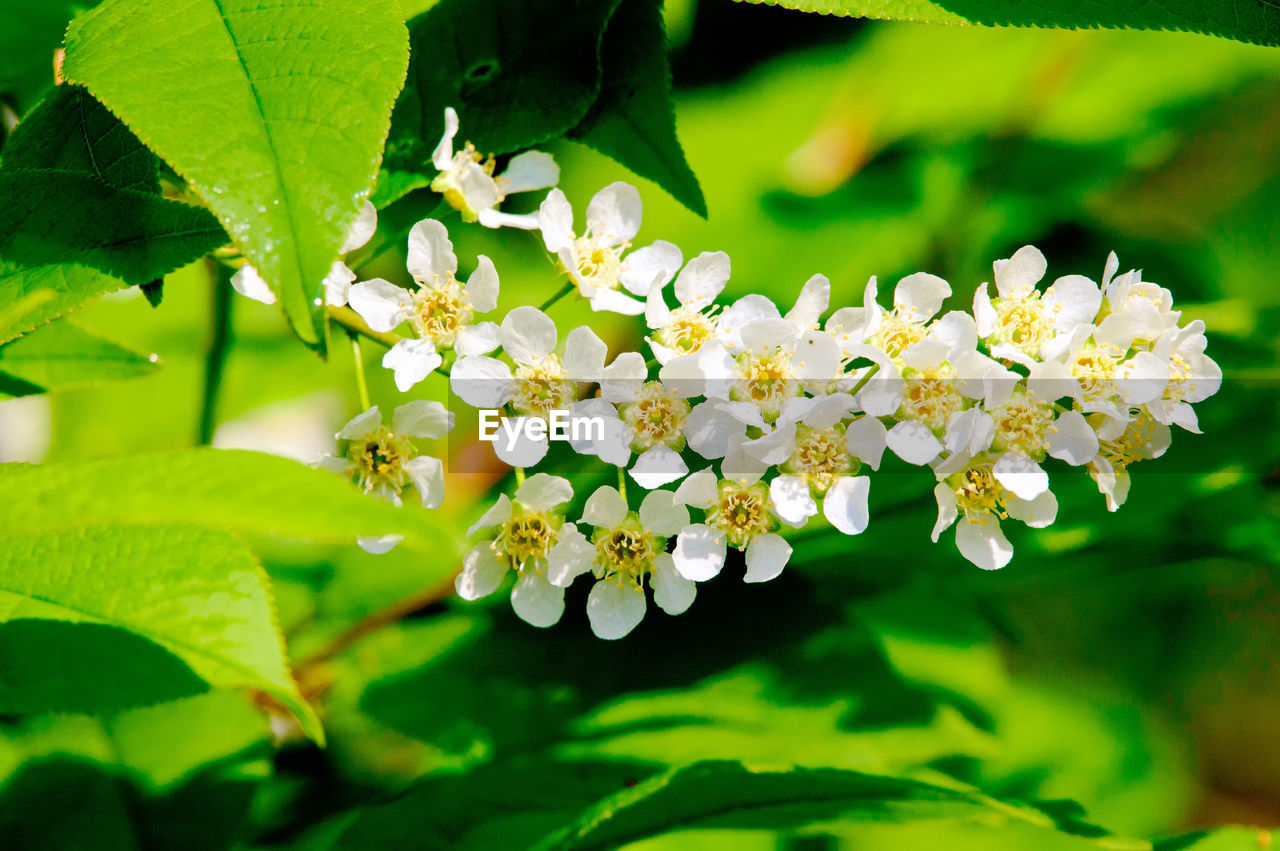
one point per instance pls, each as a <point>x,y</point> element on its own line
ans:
<point>584,354</point>
<point>613,216</point>
<point>361,424</point>
<point>1073,440</point>
<point>792,501</point>
<point>615,607</point>
<point>605,508</point>
<point>524,450</point>
<point>478,339</point>
<point>482,287</point>
<point>422,418</point>
<point>698,490</point>
<point>482,572</point>
<point>1022,476</point>
<point>1018,276</point>
<point>613,301</point>
<point>411,361</point>
<point>535,600</point>
<point>1036,513</point>
<point>845,504</point>
<point>430,252</point>
<point>529,172</point>
<point>528,334</point>
<point>337,284</point>
<point>250,284</point>
<point>427,475</point>
<point>702,279</point>
<point>919,296</point>
<point>813,301</point>
<point>983,543</point>
<point>555,219</point>
<point>913,442</point>
<point>651,266</point>
<point>362,229</point>
<point>571,556</point>
<point>699,553</point>
<point>660,514</point>
<point>443,154</point>
<point>658,466</point>
<point>496,515</point>
<point>672,592</point>
<point>866,440</point>
<point>766,557</point>
<point>481,381</point>
<point>378,544</point>
<point>380,303</point>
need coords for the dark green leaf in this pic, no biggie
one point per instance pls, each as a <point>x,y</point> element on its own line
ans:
<point>1256,21</point>
<point>61,356</point>
<point>519,72</point>
<point>633,120</point>
<point>284,110</point>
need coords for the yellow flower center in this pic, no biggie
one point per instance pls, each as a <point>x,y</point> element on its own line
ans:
<point>741,512</point>
<point>627,549</point>
<point>1180,381</point>
<point>528,534</point>
<point>897,334</point>
<point>687,330</point>
<point>596,265</point>
<point>447,185</point>
<point>542,387</point>
<point>379,458</point>
<point>440,310</point>
<point>1133,445</point>
<point>930,396</point>
<point>977,492</point>
<point>657,417</point>
<point>765,380</point>
<point>1021,322</point>
<point>1023,424</point>
<point>1095,369</point>
<point>820,457</point>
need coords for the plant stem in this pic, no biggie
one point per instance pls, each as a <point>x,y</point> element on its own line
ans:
<point>557,295</point>
<point>354,324</point>
<point>216,354</point>
<point>862,382</point>
<point>622,483</point>
<point>519,471</point>
<point>361,386</point>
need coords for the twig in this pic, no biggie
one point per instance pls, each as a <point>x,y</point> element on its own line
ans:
<point>216,355</point>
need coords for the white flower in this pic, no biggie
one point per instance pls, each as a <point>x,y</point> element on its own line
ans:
<point>467,182</point>
<point>650,420</point>
<point>1024,325</point>
<point>824,459</point>
<point>737,514</point>
<point>1193,376</point>
<point>685,329</point>
<point>441,310</point>
<point>978,500</point>
<point>1135,311</point>
<point>541,382</point>
<point>595,261</point>
<point>624,548</point>
<point>383,460</point>
<point>337,283</point>
<point>1143,438</point>
<point>527,529</point>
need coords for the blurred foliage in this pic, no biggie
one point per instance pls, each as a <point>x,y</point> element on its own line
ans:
<point>1123,661</point>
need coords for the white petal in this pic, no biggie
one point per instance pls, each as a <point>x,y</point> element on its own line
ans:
<point>1019,275</point>
<point>699,553</point>
<point>817,357</point>
<point>658,466</point>
<point>482,573</point>
<point>528,172</point>
<point>250,284</point>
<point>430,251</point>
<point>656,315</point>
<point>947,508</point>
<point>1021,475</point>
<point>378,544</point>
<point>866,439</point>
<point>605,508</point>
<point>615,607</point>
<point>983,543</point>
<point>491,218</point>
<point>362,228</point>
<point>422,418</point>
<point>1070,301</point>
<point>792,501</point>
<point>535,600</point>
<point>481,381</point>
<point>709,428</point>
<point>913,442</point>
<point>984,313</point>
<point>957,330</point>
<point>651,266</point>
<point>478,339</point>
<point>766,557</point>
<point>411,361</point>
<point>496,515</point>
<point>571,556</point>
<point>768,334</point>
<point>337,284</point>
<point>1143,378</point>
<point>584,354</point>
<point>613,301</point>
<point>380,303</point>
<point>814,298</point>
<point>524,450</point>
<point>555,218</point>
<point>543,492</point>
<point>845,504</point>
<point>1073,440</point>
<point>1036,513</point>
<point>702,279</point>
<point>699,490</point>
<point>920,295</point>
<point>361,424</point>
<point>427,475</point>
<point>443,153</point>
<point>482,286</point>
<point>621,380</point>
<point>740,314</point>
<point>528,334</point>
<point>660,514</point>
<point>613,216</point>
<point>672,592</point>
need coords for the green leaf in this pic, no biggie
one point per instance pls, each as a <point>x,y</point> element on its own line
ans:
<point>1256,21</point>
<point>284,111</point>
<point>729,795</point>
<point>62,356</point>
<point>81,213</point>
<point>1222,839</point>
<point>199,594</point>
<point>31,33</point>
<point>518,72</point>
<point>214,489</point>
<point>633,119</point>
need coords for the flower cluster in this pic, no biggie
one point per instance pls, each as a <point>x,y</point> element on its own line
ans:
<point>743,422</point>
